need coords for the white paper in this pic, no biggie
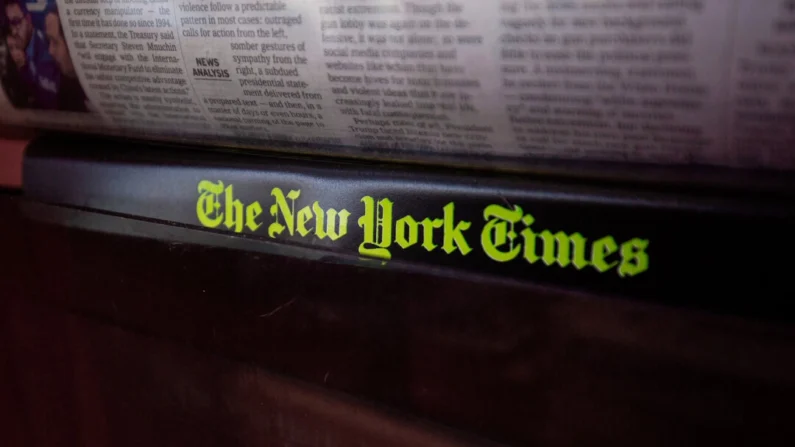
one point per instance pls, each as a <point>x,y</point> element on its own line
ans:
<point>666,81</point>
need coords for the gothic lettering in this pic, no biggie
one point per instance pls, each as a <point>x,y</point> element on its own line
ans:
<point>508,234</point>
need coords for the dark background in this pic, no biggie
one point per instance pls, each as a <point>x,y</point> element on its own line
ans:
<point>119,340</point>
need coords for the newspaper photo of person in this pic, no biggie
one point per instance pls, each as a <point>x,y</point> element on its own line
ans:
<point>36,69</point>
<point>70,94</point>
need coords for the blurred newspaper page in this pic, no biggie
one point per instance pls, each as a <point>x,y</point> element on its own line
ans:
<point>662,81</point>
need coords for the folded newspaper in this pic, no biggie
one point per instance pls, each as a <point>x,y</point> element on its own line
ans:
<point>660,81</point>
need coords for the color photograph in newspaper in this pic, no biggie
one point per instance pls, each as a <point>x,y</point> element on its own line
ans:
<point>36,69</point>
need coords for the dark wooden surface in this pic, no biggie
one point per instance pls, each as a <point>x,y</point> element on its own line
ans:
<point>113,340</point>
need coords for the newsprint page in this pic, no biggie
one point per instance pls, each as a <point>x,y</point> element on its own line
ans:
<point>658,81</point>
